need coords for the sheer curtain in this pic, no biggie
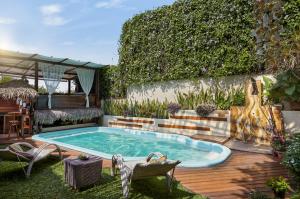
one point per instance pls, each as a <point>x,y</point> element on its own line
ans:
<point>52,76</point>
<point>86,78</point>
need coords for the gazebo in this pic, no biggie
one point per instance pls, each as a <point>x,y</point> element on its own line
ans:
<point>51,106</point>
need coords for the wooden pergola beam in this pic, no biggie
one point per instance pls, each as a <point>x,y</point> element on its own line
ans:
<point>45,61</point>
<point>27,69</point>
<point>30,76</point>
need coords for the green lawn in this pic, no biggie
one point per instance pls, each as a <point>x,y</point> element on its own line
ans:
<point>47,181</point>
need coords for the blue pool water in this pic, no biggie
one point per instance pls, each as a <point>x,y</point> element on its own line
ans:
<point>135,144</point>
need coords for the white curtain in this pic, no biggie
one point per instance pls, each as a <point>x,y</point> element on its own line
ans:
<point>52,76</point>
<point>86,78</point>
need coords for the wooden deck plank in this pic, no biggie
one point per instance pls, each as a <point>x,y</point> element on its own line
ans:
<point>240,174</point>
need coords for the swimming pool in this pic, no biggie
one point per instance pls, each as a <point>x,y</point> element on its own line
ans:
<point>135,144</point>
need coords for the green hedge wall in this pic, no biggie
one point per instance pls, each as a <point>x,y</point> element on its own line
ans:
<point>291,17</point>
<point>188,39</point>
<point>194,38</point>
<point>111,82</point>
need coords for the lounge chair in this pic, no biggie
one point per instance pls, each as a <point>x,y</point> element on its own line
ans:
<point>140,169</point>
<point>16,152</point>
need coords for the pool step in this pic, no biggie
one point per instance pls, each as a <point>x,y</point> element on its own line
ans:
<point>136,120</point>
<point>173,126</point>
<point>185,122</point>
<point>113,123</point>
<point>198,118</point>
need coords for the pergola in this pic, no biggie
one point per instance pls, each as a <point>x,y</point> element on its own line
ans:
<point>24,64</point>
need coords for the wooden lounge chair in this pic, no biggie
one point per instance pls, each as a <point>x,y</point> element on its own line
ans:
<point>16,152</point>
<point>140,169</point>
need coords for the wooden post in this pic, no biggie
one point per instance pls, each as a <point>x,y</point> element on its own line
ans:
<point>36,76</point>
<point>69,86</point>
<point>97,88</point>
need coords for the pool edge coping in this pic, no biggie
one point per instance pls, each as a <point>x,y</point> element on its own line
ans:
<point>224,155</point>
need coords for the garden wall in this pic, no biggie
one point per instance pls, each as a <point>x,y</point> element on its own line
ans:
<point>291,121</point>
<point>187,122</point>
<point>162,91</point>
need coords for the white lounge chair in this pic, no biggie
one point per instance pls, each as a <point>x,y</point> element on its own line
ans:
<point>16,152</point>
<point>140,169</point>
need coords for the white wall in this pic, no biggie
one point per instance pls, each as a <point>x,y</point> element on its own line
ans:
<point>291,121</point>
<point>167,90</point>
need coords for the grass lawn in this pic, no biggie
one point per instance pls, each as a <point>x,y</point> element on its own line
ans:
<point>47,181</point>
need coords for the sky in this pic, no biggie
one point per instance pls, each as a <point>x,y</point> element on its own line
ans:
<point>86,30</point>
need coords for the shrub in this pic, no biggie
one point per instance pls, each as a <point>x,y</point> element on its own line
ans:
<point>278,184</point>
<point>205,109</point>
<point>278,143</point>
<point>296,195</point>
<point>111,83</point>
<point>220,98</point>
<point>291,158</point>
<point>147,108</point>
<point>287,86</point>
<point>173,108</point>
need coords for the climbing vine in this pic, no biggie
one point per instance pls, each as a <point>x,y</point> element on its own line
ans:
<point>194,38</point>
<point>189,39</point>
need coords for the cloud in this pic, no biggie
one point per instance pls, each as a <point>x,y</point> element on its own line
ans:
<point>51,15</point>
<point>109,4</point>
<point>7,21</point>
<point>51,9</point>
<point>55,21</point>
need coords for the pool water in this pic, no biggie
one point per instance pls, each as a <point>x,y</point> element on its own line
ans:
<point>135,144</point>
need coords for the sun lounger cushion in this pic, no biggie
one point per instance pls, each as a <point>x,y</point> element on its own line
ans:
<point>157,160</point>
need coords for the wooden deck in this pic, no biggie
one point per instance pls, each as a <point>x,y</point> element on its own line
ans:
<point>233,179</point>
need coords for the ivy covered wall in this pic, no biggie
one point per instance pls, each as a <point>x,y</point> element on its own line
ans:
<point>188,39</point>
<point>196,38</point>
<point>291,18</point>
<point>111,82</point>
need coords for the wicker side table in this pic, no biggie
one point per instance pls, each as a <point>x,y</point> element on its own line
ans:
<point>83,173</point>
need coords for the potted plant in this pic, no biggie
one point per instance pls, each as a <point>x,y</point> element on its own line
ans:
<point>205,109</point>
<point>83,157</point>
<point>173,108</point>
<point>279,186</point>
<point>278,144</point>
